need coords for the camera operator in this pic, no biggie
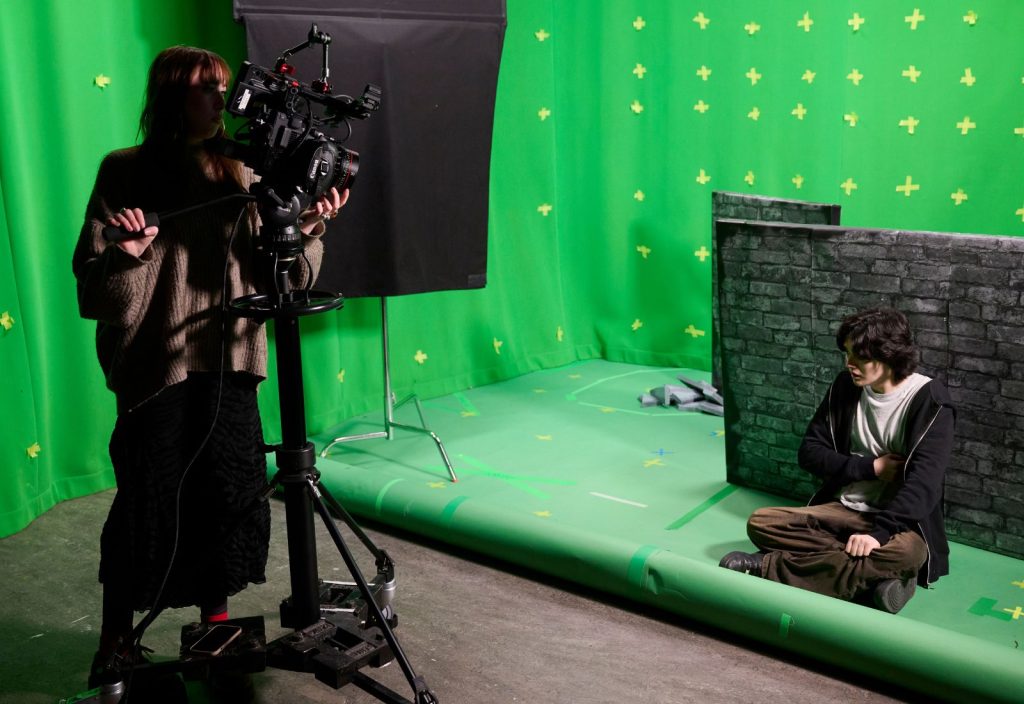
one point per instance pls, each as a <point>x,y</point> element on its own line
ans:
<point>187,447</point>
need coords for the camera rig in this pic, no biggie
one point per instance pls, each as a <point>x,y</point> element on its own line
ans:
<point>282,140</point>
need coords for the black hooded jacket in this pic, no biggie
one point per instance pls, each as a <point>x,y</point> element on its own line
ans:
<point>917,504</point>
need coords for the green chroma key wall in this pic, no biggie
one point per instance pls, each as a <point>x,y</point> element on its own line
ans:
<point>615,120</point>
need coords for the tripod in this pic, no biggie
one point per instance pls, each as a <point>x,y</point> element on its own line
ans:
<point>389,406</point>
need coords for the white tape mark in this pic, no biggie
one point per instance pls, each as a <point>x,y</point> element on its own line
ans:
<point>621,501</point>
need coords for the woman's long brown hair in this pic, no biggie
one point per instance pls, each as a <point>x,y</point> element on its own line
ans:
<point>162,124</point>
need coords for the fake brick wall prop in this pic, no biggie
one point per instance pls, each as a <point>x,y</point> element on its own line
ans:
<point>781,290</point>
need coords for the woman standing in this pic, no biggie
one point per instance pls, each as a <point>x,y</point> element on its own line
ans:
<point>187,448</point>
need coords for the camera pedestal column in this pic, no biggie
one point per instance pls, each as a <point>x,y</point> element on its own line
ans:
<point>334,644</point>
<point>389,406</point>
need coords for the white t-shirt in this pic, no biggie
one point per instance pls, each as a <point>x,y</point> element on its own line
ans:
<point>879,429</point>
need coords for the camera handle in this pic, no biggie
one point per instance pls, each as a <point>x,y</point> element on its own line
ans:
<point>315,36</point>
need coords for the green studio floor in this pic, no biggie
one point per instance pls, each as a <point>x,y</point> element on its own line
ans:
<point>563,471</point>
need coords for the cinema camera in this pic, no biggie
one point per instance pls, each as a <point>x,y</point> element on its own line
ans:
<point>283,143</point>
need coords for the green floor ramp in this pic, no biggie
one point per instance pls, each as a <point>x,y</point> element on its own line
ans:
<point>563,471</point>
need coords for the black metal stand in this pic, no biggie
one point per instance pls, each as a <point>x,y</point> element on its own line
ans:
<point>339,627</point>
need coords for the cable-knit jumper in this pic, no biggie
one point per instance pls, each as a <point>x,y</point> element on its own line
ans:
<point>159,315</point>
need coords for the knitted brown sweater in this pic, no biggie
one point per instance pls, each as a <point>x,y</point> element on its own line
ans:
<point>159,315</point>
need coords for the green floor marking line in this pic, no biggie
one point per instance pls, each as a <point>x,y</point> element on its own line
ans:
<point>380,495</point>
<point>729,489</point>
<point>449,510</point>
<point>635,572</point>
<point>785,621</point>
<point>466,403</point>
<point>983,607</point>
<point>518,481</point>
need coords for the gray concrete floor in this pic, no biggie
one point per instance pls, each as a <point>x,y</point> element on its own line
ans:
<point>477,631</point>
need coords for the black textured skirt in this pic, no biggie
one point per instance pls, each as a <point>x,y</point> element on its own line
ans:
<point>208,515</point>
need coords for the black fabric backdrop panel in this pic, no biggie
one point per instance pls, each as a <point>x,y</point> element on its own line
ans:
<point>417,217</point>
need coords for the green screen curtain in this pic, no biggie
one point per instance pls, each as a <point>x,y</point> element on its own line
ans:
<point>614,122</point>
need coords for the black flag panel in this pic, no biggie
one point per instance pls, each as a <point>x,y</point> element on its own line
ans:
<point>417,218</point>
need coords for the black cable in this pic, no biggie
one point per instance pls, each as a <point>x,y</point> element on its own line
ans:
<point>155,610</point>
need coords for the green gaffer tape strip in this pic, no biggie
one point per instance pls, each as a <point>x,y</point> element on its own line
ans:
<point>449,510</point>
<point>679,523</point>
<point>380,494</point>
<point>785,621</point>
<point>635,571</point>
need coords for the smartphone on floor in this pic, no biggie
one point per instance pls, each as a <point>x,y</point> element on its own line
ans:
<point>215,640</point>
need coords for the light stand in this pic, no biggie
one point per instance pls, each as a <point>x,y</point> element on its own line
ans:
<point>389,406</point>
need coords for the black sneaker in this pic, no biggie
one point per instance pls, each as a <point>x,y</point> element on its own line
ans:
<point>893,594</point>
<point>746,562</point>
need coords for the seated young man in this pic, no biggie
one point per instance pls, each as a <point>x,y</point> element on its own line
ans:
<point>880,441</point>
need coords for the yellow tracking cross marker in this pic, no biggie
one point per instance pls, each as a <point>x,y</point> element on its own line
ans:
<point>752,28</point>
<point>639,195</point>
<point>799,111</point>
<point>968,79</point>
<point>637,324</point>
<point>914,19</point>
<point>908,188</point>
<point>856,21</point>
<point>541,34</point>
<point>911,73</point>
<point>639,23</point>
<point>966,124</point>
<point>848,185</point>
<point>959,196</point>
<point>704,72</point>
<point>798,181</point>
<point>808,76</point>
<point>644,251</point>
<point>420,356</point>
<point>754,113</point>
<point>753,75</point>
<point>971,17</point>
<point>702,178</point>
<point>636,107</point>
<point>702,20</point>
<point>749,178</point>
<point>855,77</point>
<point>701,107</point>
<point>910,123</point>
<point>656,462</point>
<point>639,71</point>
<point>543,114</point>
<point>852,118</point>
<point>806,22</point>
<point>694,332</point>
<point>544,209</point>
<point>702,253</point>
<point>101,81</point>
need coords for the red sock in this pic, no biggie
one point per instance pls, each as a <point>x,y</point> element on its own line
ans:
<point>214,618</point>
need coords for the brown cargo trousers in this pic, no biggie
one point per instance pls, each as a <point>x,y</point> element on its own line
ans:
<point>805,548</point>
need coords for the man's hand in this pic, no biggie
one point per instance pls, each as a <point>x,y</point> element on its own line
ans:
<point>861,545</point>
<point>888,466</point>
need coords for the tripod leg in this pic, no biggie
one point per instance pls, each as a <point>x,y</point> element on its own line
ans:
<point>416,682</point>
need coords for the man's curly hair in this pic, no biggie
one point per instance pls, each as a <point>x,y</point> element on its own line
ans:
<point>880,335</point>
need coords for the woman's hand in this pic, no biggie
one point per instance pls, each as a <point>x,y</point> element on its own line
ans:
<point>133,220</point>
<point>325,208</point>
